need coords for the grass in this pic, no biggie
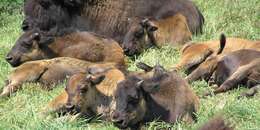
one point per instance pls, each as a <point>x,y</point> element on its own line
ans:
<point>236,18</point>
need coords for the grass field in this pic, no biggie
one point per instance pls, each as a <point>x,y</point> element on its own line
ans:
<point>236,18</point>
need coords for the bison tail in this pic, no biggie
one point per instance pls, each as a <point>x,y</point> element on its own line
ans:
<point>222,43</point>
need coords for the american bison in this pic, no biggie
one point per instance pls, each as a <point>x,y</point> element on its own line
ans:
<point>89,93</point>
<point>195,53</point>
<point>108,17</point>
<point>145,33</point>
<point>82,45</point>
<point>164,96</point>
<point>47,72</point>
<point>217,123</point>
<point>239,67</point>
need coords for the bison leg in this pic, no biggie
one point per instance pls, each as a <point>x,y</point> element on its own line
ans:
<point>56,105</point>
<point>29,72</point>
<point>251,92</point>
<point>236,78</point>
<point>199,73</point>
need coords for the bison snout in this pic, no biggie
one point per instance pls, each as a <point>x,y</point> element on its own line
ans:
<point>118,119</point>
<point>8,58</point>
<point>126,50</point>
<point>69,106</point>
<point>14,62</point>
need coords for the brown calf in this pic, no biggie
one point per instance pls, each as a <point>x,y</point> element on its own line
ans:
<point>89,94</point>
<point>145,33</point>
<point>164,96</point>
<point>33,45</point>
<point>243,69</point>
<point>47,72</point>
<point>195,53</point>
<point>216,123</point>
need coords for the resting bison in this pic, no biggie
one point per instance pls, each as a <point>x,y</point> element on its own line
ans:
<point>217,123</point>
<point>145,33</point>
<point>87,93</point>
<point>82,45</point>
<point>195,53</point>
<point>47,72</point>
<point>106,17</point>
<point>239,67</point>
<point>164,96</point>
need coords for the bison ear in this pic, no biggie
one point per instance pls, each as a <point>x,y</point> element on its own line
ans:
<point>149,25</point>
<point>95,79</point>
<point>144,66</point>
<point>152,28</point>
<point>46,40</point>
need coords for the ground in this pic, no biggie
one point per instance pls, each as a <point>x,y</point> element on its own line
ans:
<point>235,18</point>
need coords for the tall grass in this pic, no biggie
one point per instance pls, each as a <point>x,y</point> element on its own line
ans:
<point>236,18</point>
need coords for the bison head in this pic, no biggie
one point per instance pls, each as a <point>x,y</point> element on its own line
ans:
<point>81,90</point>
<point>30,46</point>
<point>129,102</point>
<point>139,37</point>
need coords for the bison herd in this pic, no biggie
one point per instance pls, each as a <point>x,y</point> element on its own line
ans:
<point>85,42</point>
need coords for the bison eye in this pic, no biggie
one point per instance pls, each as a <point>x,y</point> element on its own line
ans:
<point>139,34</point>
<point>27,44</point>
<point>83,90</point>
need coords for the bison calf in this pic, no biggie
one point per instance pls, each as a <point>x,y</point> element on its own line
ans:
<point>164,96</point>
<point>33,45</point>
<point>89,93</point>
<point>217,123</point>
<point>47,72</point>
<point>194,54</point>
<point>243,67</point>
<point>145,33</point>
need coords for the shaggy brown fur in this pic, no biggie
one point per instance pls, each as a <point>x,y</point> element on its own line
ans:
<point>145,33</point>
<point>82,45</point>
<point>106,17</point>
<point>194,54</point>
<point>47,72</point>
<point>164,96</point>
<point>216,123</point>
<point>89,94</point>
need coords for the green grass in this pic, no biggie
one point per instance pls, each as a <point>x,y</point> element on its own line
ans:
<point>236,18</point>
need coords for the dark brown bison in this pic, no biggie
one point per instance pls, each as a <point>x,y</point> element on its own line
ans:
<point>239,67</point>
<point>88,93</point>
<point>106,17</point>
<point>217,123</point>
<point>194,54</point>
<point>47,72</point>
<point>145,33</point>
<point>82,45</point>
<point>164,96</point>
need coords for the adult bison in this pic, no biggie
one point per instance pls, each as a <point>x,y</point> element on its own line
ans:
<point>106,17</point>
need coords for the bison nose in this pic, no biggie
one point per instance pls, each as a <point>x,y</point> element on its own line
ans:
<point>69,106</point>
<point>115,116</point>
<point>126,50</point>
<point>9,58</point>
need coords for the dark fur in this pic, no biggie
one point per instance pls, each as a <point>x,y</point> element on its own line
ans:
<point>139,100</point>
<point>106,17</point>
<point>241,67</point>
<point>216,123</point>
